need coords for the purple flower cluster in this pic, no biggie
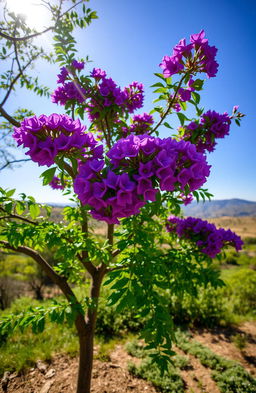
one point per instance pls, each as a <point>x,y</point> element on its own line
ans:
<point>69,91</point>
<point>212,125</point>
<point>198,56</point>
<point>134,96</point>
<point>56,183</point>
<point>111,195</point>
<point>98,73</point>
<point>78,65</point>
<point>175,164</point>
<point>141,124</point>
<point>108,94</point>
<point>48,136</point>
<point>63,75</point>
<point>140,166</point>
<point>205,235</point>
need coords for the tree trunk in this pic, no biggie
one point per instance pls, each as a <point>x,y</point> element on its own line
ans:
<point>86,336</point>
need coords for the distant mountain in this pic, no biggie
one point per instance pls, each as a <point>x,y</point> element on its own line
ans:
<point>219,208</point>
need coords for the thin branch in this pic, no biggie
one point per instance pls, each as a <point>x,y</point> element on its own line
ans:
<point>17,217</point>
<point>112,269</point>
<point>16,78</point>
<point>14,162</point>
<point>69,9</point>
<point>28,37</point>
<point>169,106</point>
<point>25,38</point>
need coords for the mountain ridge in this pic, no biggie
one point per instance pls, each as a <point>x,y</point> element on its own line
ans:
<point>234,207</point>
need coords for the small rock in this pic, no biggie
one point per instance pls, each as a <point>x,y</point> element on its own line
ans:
<point>41,366</point>
<point>13,375</point>
<point>112,365</point>
<point>46,387</point>
<point>50,373</point>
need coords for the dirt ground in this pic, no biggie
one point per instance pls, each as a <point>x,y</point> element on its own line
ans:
<point>59,376</point>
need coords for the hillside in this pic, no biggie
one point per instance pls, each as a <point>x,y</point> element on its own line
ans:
<point>220,208</point>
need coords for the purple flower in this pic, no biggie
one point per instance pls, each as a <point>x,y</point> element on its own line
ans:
<point>98,73</point>
<point>79,65</point>
<point>56,183</point>
<point>125,183</point>
<point>48,136</point>
<point>184,94</point>
<point>208,239</point>
<point>62,76</point>
<point>171,65</point>
<point>195,57</point>
<point>203,135</point>
<point>198,39</point>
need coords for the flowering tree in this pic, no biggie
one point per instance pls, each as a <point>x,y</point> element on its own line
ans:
<point>121,172</point>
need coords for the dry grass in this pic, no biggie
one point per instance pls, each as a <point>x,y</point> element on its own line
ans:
<point>243,226</point>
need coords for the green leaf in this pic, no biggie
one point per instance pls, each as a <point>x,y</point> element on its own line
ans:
<point>10,193</point>
<point>181,117</point>
<point>168,125</point>
<point>160,76</point>
<point>198,84</point>
<point>48,175</point>
<point>196,97</point>
<point>20,207</point>
<point>34,211</point>
<point>158,84</point>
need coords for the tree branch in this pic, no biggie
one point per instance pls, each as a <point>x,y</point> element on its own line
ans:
<point>16,216</point>
<point>25,38</point>
<point>11,120</point>
<point>169,106</point>
<point>55,277</point>
<point>14,162</point>
<point>84,259</point>
<point>16,78</point>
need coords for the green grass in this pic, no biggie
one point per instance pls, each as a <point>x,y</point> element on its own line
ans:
<point>22,350</point>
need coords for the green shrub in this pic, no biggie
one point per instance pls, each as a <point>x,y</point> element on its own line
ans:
<point>234,380</point>
<point>168,382</point>
<point>241,290</point>
<point>111,323</point>
<point>207,309</point>
<point>229,375</point>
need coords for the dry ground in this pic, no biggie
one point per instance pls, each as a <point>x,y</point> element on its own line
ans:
<point>113,377</point>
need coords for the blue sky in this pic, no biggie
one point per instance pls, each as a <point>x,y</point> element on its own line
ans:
<point>129,40</point>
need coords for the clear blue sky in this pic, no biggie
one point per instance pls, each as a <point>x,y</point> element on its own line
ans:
<point>129,40</point>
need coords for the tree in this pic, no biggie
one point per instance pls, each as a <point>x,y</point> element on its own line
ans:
<point>120,172</point>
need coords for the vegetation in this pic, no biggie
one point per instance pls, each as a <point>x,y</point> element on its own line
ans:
<point>229,375</point>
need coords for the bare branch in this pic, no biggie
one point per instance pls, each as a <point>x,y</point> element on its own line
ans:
<point>25,38</point>
<point>16,78</point>
<point>14,162</point>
